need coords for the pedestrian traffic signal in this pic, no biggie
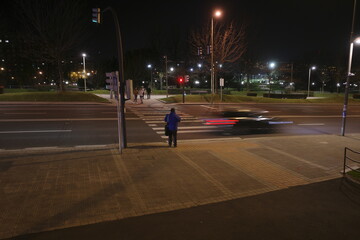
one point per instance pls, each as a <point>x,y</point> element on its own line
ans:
<point>180,80</point>
<point>96,15</point>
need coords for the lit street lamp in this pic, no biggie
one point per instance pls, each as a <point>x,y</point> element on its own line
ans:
<point>349,74</point>
<point>149,66</point>
<point>310,68</point>
<point>84,55</point>
<point>217,14</point>
<point>272,65</point>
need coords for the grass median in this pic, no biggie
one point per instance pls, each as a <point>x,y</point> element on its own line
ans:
<point>206,98</point>
<point>51,97</point>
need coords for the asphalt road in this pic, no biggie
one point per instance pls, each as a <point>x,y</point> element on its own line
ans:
<point>62,125</point>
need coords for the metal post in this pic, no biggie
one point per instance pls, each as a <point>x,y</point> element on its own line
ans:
<point>166,78</point>
<point>212,60</point>
<point>183,87</point>
<point>122,127</point>
<point>344,161</point>
<point>84,72</point>
<point>346,95</point>
<point>308,95</point>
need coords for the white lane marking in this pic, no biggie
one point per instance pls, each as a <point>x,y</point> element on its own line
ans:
<point>193,131</point>
<point>212,108</point>
<point>315,116</point>
<point>183,121</point>
<point>24,113</point>
<point>190,127</point>
<point>311,124</point>
<point>35,131</point>
<point>153,125</point>
<point>58,119</point>
<point>90,146</point>
<point>40,148</point>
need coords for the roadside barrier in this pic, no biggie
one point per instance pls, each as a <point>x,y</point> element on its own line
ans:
<point>350,164</point>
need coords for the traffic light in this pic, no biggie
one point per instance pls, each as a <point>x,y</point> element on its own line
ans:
<point>181,80</point>
<point>96,15</point>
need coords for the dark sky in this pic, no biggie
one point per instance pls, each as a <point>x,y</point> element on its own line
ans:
<point>280,30</point>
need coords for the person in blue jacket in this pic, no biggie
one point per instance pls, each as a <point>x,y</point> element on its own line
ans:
<point>172,120</point>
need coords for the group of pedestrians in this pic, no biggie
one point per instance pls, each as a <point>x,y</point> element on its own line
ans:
<point>141,93</point>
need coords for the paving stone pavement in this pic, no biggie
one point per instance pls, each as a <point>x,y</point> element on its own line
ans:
<point>46,190</point>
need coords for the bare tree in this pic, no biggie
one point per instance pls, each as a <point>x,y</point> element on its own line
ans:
<point>52,30</point>
<point>229,41</point>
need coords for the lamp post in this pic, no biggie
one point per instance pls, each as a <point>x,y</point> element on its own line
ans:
<point>346,94</point>
<point>272,65</point>
<point>149,66</point>
<point>349,74</point>
<point>84,55</point>
<point>310,68</point>
<point>217,14</point>
<point>166,77</point>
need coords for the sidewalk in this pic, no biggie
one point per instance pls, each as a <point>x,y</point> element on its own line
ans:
<point>246,183</point>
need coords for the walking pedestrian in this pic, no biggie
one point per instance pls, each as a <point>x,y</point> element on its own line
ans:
<point>136,92</point>
<point>172,120</point>
<point>141,94</point>
<point>148,91</point>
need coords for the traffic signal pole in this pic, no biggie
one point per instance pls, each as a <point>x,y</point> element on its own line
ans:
<point>121,112</point>
<point>183,87</point>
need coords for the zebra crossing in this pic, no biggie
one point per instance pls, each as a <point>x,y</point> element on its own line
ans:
<point>154,118</point>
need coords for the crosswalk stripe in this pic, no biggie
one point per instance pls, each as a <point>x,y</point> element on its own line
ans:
<point>183,121</point>
<point>190,127</point>
<point>193,131</point>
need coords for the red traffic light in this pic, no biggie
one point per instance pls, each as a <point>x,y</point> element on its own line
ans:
<point>181,80</point>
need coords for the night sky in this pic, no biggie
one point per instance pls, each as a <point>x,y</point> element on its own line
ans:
<point>278,30</point>
<point>301,30</point>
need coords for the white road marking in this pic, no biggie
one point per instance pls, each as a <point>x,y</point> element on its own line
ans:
<point>41,148</point>
<point>212,108</point>
<point>183,121</point>
<point>191,127</point>
<point>58,119</point>
<point>35,131</point>
<point>192,131</point>
<point>315,116</point>
<point>311,124</point>
<point>24,113</point>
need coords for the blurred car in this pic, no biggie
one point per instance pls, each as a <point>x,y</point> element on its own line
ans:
<point>245,121</point>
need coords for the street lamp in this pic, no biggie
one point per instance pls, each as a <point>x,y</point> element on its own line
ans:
<point>149,66</point>
<point>346,95</point>
<point>349,74</point>
<point>272,65</point>
<point>310,68</point>
<point>84,55</point>
<point>216,14</point>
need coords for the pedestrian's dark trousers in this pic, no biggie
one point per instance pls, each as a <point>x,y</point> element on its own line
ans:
<point>173,137</point>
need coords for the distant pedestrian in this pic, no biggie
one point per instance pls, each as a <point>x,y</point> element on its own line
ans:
<point>148,91</point>
<point>136,92</point>
<point>172,120</point>
<point>141,94</point>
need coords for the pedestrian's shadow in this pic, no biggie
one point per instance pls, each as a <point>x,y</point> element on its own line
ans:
<point>350,189</point>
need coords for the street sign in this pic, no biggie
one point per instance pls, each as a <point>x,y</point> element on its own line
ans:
<point>221,82</point>
<point>187,78</point>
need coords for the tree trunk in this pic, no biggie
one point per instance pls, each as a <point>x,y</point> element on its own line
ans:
<point>61,77</point>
